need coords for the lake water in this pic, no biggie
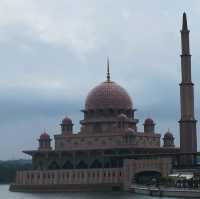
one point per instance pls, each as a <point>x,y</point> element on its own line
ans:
<point>6,194</point>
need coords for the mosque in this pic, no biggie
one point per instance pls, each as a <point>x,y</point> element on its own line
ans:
<point>109,153</point>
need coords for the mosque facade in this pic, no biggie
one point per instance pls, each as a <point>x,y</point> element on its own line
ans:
<point>110,152</point>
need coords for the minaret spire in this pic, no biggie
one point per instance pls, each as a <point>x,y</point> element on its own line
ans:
<point>184,25</point>
<point>188,137</point>
<point>185,36</point>
<point>108,70</point>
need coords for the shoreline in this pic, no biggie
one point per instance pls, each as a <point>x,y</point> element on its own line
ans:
<point>65,188</point>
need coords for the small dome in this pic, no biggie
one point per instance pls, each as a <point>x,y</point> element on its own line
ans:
<point>108,95</point>
<point>168,135</point>
<point>44,136</point>
<point>66,120</point>
<point>149,121</point>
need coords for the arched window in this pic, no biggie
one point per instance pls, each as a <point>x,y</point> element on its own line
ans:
<point>54,165</point>
<point>107,165</point>
<point>81,165</point>
<point>97,128</point>
<point>67,165</point>
<point>114,163</point>
<point>96,164</point>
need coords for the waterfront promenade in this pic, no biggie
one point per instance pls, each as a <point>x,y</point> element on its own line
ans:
<point>165,192</point>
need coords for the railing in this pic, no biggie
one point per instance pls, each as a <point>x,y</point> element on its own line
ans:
<point>76,176</point>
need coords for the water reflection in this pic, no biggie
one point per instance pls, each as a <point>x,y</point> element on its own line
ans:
<point>5,194</point>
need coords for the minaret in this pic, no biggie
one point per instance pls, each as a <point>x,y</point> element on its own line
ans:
<point>108,70</point>
<point>188,138</point>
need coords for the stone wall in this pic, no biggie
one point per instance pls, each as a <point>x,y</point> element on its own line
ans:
<point>69,142</point>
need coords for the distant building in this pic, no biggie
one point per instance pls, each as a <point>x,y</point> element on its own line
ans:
<point>109,152</point>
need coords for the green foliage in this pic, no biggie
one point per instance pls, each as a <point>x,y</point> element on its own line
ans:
<point>8,169</point>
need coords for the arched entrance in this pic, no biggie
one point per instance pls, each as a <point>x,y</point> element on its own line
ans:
<point>147,177</point>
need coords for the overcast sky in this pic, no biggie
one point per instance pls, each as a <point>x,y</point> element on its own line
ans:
<point>53,52</point>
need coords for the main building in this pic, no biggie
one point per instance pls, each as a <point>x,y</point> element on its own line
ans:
<point>109,152</point>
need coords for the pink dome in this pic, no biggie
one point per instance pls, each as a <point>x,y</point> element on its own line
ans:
<point>44,136</point>
<point>149,121</point>
<point>168,135</point>
<point>66,120</point>
<point>108,95</point>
